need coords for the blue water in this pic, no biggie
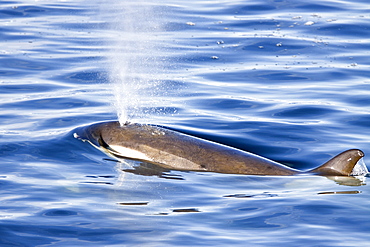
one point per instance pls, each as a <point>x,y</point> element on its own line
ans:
<point>288,80</point>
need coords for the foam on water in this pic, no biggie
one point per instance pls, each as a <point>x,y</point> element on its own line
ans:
<point>360,169</point>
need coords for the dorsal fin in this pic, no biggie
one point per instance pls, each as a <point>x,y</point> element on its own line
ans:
<point>340,165</point>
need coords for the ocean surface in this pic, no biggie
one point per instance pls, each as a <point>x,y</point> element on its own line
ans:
<point>288,80</point>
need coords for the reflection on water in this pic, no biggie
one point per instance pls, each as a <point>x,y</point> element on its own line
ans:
<point>349,181</point>
<point>147,169</point>
<point>340,192</point>
<point>288,80</point>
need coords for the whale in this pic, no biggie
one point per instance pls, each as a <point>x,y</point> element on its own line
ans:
<point>175,150</point>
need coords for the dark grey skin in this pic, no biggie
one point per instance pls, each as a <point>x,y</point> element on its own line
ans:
<point>178,151</point>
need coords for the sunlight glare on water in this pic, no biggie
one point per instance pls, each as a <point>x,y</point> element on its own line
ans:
<point>287,80</point>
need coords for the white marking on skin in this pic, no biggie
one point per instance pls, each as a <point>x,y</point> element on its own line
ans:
<point>130,153</point>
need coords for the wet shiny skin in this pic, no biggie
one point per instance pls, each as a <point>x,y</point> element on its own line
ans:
<point>179,151</point>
